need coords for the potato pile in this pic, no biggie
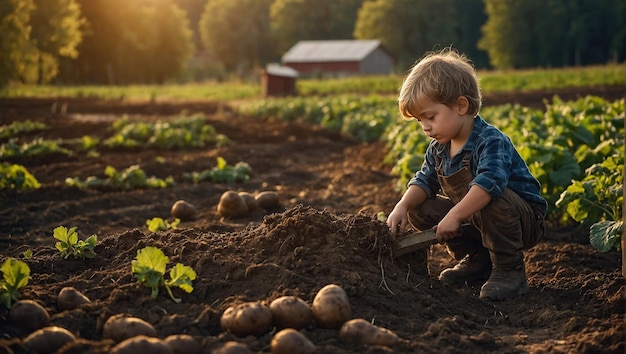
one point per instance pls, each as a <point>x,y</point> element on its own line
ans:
<point>239,204</point>
<point>289,314</point>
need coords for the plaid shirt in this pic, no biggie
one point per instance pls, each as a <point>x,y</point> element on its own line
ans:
<point>495,165</point>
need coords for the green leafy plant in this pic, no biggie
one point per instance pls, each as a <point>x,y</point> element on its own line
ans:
<point>70,245</point>
<point>159,224</point>
<point>223,173</point>
<point>15,276</point>
<point>133,177</point>
<point>149,269</point>
<point>17,177</point>
<point>17,127</point>
<point>597,200</point>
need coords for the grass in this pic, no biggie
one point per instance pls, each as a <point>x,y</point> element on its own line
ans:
<point>491,81</point>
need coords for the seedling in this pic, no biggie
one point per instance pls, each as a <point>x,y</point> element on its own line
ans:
<point>70,245</point>
<point>149,269</point>
<point>15,274</point>
<point>158,224</point>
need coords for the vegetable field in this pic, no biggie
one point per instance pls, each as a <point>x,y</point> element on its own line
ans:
<point>87,189</point>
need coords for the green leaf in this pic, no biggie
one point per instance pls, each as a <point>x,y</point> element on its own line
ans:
<point>604,234</point>
<point>15,274</point>
<point>152,258</point>
<point>182,276</point>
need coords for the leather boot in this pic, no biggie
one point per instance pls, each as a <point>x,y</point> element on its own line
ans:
<point>473,267</point>
<point>505,284</point>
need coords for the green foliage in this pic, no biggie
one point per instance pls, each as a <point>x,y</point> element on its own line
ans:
<point>158,224</point>
<point>366,118</point>
<point>597,200</point>
<point>18,127</point>
<point>37,147</point>
<point>70,245</point>
<point>17,177</point>
<point>15,276</point>
<point>183,132</point>
<point>149,269</point>
<point>133,177</point>
<point>223,173</point>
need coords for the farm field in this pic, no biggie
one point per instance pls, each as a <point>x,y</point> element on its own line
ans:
<point>324,231</point>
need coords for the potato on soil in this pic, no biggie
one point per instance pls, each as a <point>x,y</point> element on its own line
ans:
<point>183,210</point>
<point>69,298</point>
<point>142,345</point>
<point>29,315</point>
<point>290,312</point>
<point>250,201</point>
<point>232,347</point>
<point>248,318</point>
<point>48,339</point>
<point>331,307</point>
<point>290,341</point>
<point>363,332</point>
<point>267,200</point>
<point>183,344</point>
<point>232,205</point>
<point>121,326</point>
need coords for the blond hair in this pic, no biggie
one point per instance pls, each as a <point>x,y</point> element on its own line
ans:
<point>441,77</point>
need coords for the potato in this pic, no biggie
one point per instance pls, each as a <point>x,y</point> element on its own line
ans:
<point>121,326</point>
<point>48,339</point>
<point>267,200</point>
<point>69,298</point>
<point>248,318</point>
<point>290,341</point>
<point>183,210</point>
<point>331,307</point>
<point>29,315</point>
<point>140,345</point>
<point>232,347</point>
<point>360,331</point>
<point>250,201</point>
<point>290,312</point>
<point>232,205</point>
<point>183,344</point>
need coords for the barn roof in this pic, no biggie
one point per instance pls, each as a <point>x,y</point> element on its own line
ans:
<point>330,50</point>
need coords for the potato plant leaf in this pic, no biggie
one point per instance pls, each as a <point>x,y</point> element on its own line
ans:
<point>149,269</point>
<point>604,235</point>
<point>15,276</point>
<point>70,245</point>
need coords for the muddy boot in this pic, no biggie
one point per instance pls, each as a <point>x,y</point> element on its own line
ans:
<point>505,284</point>
<point>474,267</point>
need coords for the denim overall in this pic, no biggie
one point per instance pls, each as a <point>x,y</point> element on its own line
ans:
<point>504,227</point>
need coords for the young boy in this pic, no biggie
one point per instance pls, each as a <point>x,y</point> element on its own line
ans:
<point>491,208</point>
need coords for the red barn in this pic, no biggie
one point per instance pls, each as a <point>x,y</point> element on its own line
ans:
<point>339,58</point>
<point>279,80</point>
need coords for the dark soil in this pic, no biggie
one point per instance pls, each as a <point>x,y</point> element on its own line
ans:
<point>325,231</point>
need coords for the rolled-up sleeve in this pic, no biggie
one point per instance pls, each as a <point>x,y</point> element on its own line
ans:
<point>492,172</point>
<point>426,177</point>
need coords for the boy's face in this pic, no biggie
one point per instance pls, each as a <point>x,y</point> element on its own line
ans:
<point>441,122</point>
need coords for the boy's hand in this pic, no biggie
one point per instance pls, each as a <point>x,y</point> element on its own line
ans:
<point>447,229</point>
<point>397,221</point>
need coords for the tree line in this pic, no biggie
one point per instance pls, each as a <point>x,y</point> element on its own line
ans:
<point>156,41</point>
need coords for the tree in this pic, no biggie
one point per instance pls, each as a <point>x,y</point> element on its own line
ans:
<point>16,49</point>
<point>408,28</point>
<point>237,32</point>
<point>125,42</point>
<point>296,20</point>
<point>56,32</point>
